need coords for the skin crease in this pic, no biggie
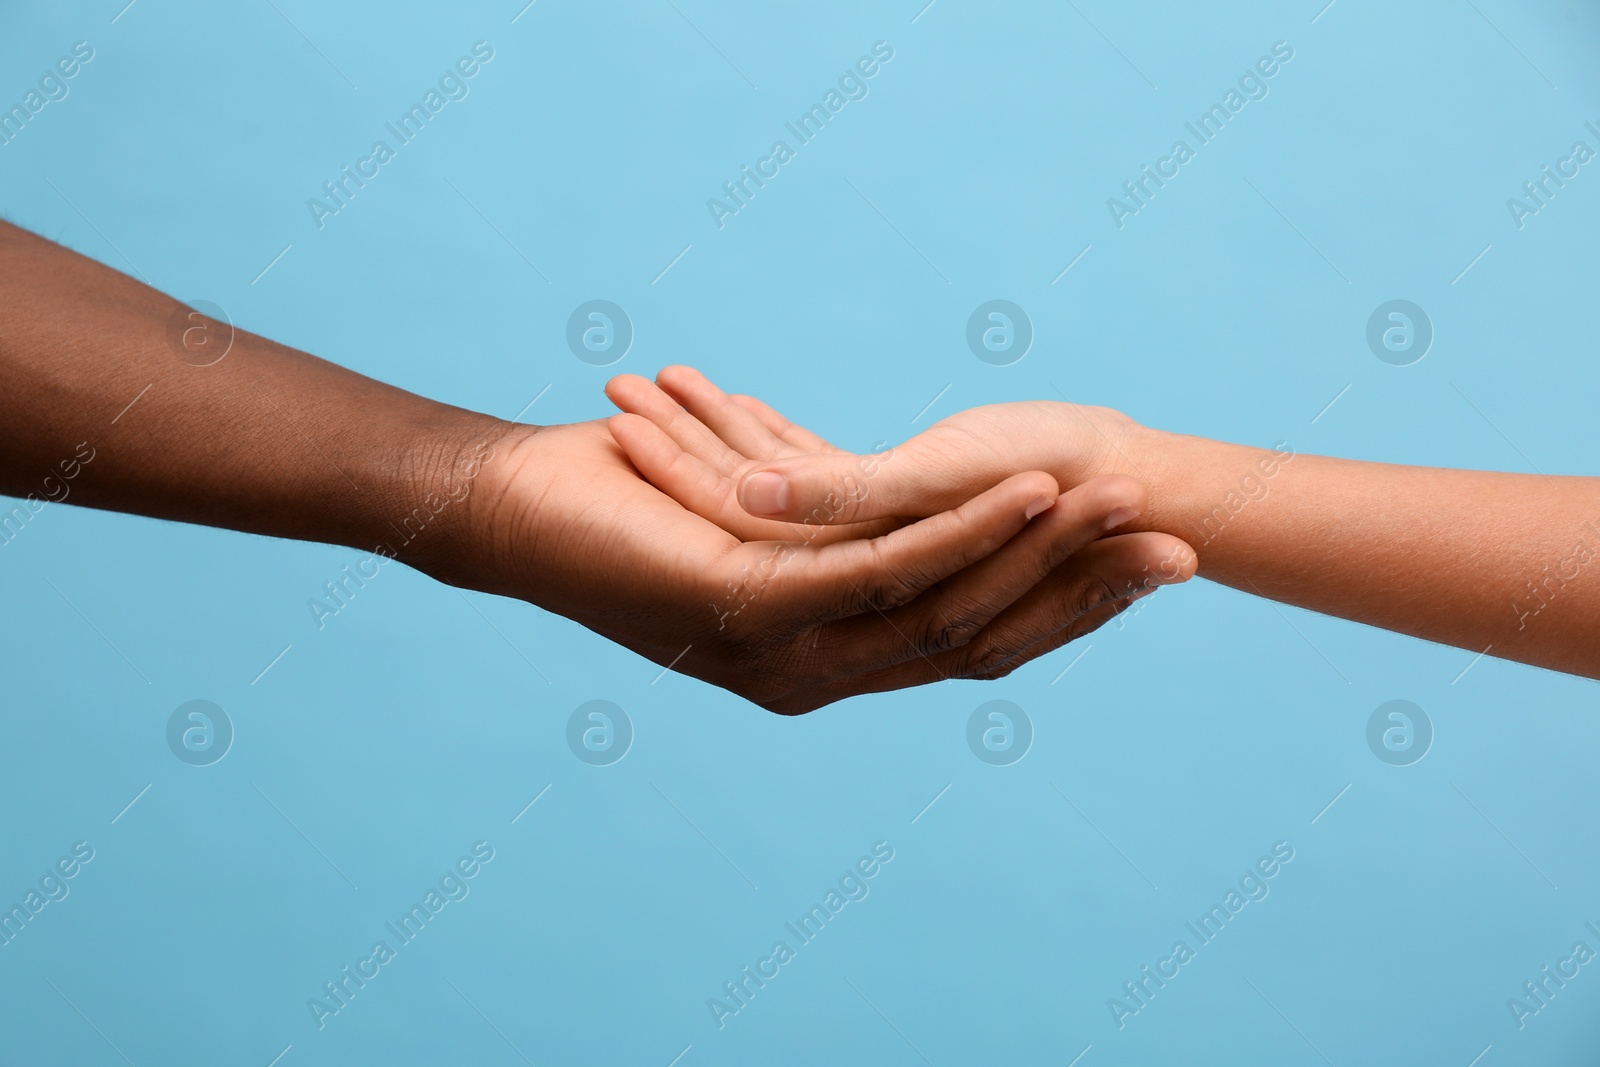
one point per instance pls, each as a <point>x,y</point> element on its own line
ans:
<point>1508,563</point>
<point>270,440</point>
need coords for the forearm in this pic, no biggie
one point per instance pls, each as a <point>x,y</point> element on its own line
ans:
<point>1504,562</point>
<point>266,439</point>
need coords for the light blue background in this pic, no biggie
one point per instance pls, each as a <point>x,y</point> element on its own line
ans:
<point>1188,738</point>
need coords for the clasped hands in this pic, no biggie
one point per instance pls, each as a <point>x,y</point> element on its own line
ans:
<point>710,534</point>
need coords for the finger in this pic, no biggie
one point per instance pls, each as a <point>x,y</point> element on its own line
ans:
<point>932,472</point>
<point>1078,598</point>
<point>955,612</point>
<point>738,427</point>
<point>640,396</point>
<point>849,577</point>
<point>1082,626</point>
<point>797,436</point>
<point>1113,570</point>
<point>925,672</point>
<point>684,477</point>
<point>701,489</point>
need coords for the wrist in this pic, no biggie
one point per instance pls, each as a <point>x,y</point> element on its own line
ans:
<point>1166,463</point>
<point>445,465</point>
<point>1201,489</point>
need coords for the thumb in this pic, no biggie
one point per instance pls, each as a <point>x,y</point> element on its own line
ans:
<point>913,480</point>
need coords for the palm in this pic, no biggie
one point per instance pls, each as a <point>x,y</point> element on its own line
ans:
<point>612,522</point>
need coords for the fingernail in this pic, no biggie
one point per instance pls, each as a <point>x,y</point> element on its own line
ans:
<point>1120,516</point>
<point>1036,505</point>
<point>765,493</point>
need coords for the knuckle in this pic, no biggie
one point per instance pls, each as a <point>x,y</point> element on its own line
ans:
<point>892,586</point>
<point>1088,625</point>
<point>896,590</point>
<point>955,633</point>
<point>1003,671</point>
<point>952,626</point>
<point>988,662</point>
<point>1091,595</point>
<point>994,674</point>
